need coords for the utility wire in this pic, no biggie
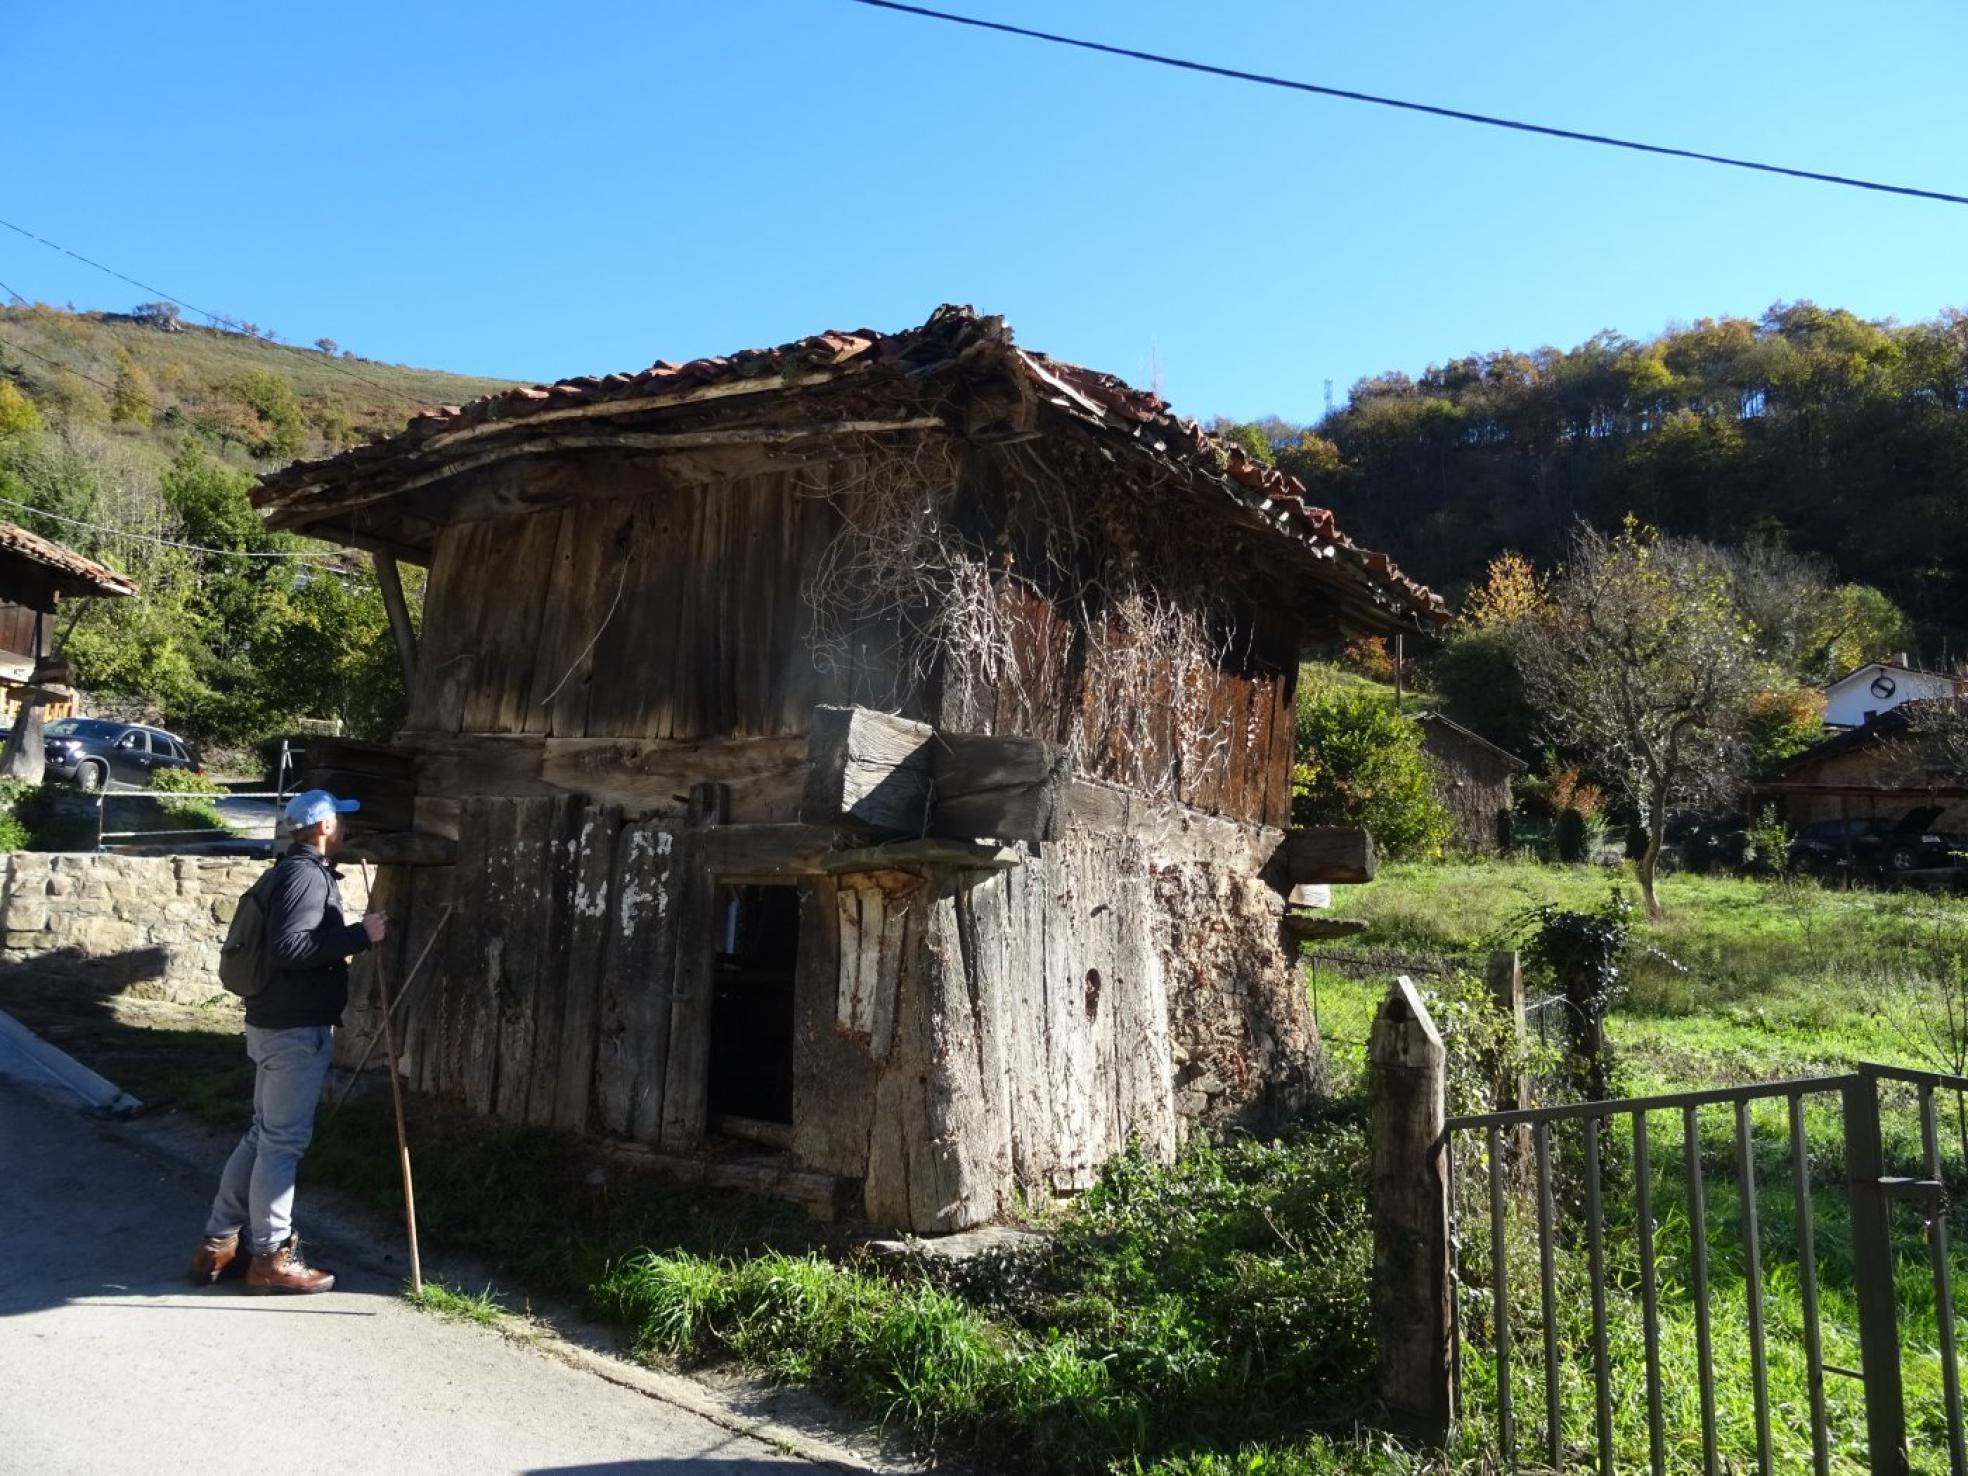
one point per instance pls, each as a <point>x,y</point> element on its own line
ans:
<point>206,313</point>
<point>13,294</point>
<point>1457,114</point>
<point>21,348</point>
<point>229,553</point>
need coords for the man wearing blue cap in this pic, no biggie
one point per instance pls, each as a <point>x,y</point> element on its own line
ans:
<point>289,1028</point>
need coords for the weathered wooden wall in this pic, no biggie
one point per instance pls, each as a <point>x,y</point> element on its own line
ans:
<point>667,611</point>
<point>961,1036</point>
<point>671,611</point>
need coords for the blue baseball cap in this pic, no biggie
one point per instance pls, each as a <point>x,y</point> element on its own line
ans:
<point>312,806</point>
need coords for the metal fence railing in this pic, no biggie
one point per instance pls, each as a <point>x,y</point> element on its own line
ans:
<point>1535,1189</point>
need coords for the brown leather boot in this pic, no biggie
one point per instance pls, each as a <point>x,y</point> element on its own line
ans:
<point>282,1270</point>
<point>216,1259</point>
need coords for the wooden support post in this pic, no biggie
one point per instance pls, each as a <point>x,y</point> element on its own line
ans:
<point>1411,1293</point>
<point>390,582</point>
<point>686,1084</point>
<point>24,755</point>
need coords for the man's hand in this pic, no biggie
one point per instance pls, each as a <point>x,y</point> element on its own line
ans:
<point>372,924</point>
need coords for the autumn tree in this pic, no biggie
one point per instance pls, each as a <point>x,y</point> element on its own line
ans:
<point>1474,675</point>
<point>1642,660</point>
<point>132,397</point>
<point>1510,589</point>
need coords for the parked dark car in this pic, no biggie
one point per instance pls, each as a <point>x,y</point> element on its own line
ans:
<point>91,753</point>
<point>1878,844</point>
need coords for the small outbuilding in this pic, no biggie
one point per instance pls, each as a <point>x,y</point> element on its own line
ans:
<point>36,574</point>
<point>874,750</point>
<point>1472,780</point>
<point>1883,768</point>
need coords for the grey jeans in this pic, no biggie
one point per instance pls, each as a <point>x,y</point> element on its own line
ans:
<point>256,1192</point>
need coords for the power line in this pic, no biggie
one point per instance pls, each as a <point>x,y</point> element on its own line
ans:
<point>1457,114</point>
<point>214,318</point>
<point>230,553</point>
<point>56,364</point>
<point>11,293</point>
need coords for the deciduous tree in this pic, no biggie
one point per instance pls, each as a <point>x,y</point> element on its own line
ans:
<point>1642,660</point>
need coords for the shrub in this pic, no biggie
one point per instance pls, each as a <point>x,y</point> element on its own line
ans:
<point>17,413</point>
<point>1767,844</point>
<point>1571,839</point>
<point>130,401</point>
<point>1359,762</point>
<point>183,781</point>
<point>280,430</point>
<point>185,803</point>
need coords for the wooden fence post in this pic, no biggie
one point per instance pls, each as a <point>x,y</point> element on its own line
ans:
<point>1411,1282</point>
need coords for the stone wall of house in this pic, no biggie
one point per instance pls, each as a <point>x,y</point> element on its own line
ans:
<point>149,926</point>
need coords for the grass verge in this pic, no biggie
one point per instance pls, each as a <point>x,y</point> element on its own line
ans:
<point>456,1305</point>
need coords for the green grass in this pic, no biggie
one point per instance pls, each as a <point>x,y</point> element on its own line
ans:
<point>457,1305</point>
<point>1767,981</point>
<point>1747,979</point>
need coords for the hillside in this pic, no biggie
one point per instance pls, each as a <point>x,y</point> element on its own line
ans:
<point>1842,438</point>
<point>200,378</point>
<point>123,433</point>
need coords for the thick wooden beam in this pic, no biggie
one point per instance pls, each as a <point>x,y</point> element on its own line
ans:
<point>1002,788</point>
<point>401,848</point>
<point>909,855</point>
<point>868,769</point>
<point>1327,853</point>
<point>895,777</point>
<point>390,582</point>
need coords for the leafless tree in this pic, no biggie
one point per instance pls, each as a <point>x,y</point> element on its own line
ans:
<point>1643,659</point>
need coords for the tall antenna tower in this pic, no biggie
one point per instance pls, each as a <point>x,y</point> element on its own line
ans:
<point>1329,399</point>
<point>1155,369</point>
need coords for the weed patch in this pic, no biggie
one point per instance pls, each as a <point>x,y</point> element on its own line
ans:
<point>455,1305</point>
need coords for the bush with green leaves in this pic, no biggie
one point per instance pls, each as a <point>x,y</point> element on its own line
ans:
<point>1357,761</point>
<point>181,800</point>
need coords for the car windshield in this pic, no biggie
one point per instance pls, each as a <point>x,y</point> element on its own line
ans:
<point>83,728</point>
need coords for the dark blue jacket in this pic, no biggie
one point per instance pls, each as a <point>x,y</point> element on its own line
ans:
<point>308,945</point>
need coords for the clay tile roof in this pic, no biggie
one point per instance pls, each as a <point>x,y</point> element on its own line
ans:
<point>68,571</point>
<point>953,335</point>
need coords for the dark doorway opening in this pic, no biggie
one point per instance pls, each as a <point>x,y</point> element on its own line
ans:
<point>750,1078</point>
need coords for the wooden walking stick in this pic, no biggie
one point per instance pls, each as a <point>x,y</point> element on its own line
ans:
<point>409,986</point>
<point>396,1101</point>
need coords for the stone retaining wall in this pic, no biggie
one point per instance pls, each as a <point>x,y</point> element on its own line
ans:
<point>150,926</point>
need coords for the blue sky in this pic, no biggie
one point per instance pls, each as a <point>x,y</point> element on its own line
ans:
<point>539,190</point>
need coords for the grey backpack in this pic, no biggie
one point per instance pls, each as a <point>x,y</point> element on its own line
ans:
<point>243,955</point>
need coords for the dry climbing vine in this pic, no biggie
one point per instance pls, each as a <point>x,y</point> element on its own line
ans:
<point>1122,671</point>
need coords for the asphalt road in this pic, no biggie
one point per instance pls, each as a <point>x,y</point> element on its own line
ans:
<point>109,1362</point>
